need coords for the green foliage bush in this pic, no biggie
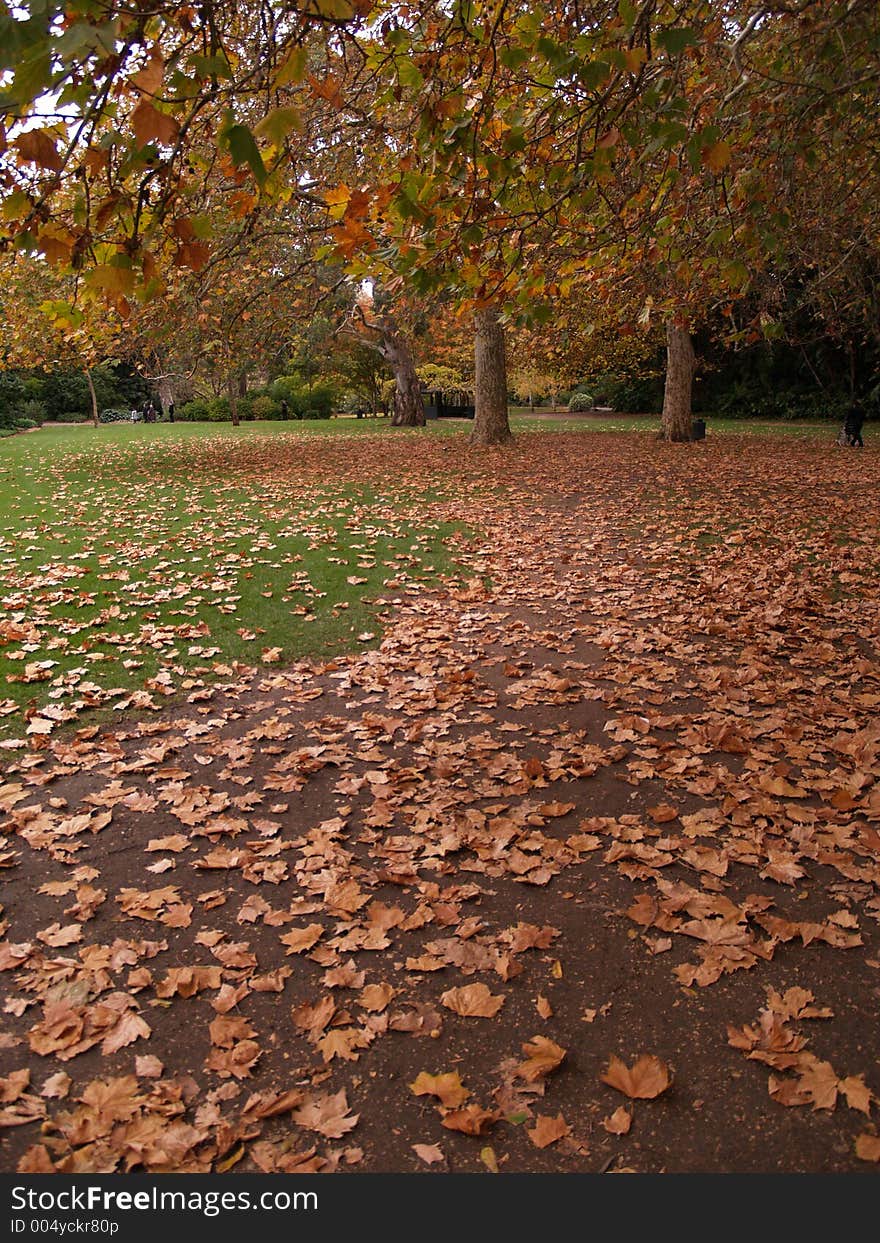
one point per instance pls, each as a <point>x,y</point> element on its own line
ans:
<point>580,402</point>
<point>114,416</point>
<point>300,398</point>
<point>263,406</point>
<point>33,410</point>
<point>195,411</point>
<point>72,416</point>
<point>24,425</point>
<point>751,399</point>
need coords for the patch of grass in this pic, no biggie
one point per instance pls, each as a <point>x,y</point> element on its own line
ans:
<point>144,560</point>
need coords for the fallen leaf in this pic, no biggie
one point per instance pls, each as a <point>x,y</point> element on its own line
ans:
<point>472,1000</point>
<point>547,1131</point>
<point>646,1079</point>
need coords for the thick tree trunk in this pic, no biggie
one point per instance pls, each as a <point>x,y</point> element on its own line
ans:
<point>94,398</point>
<point>490,382</point>
<point>232,389</point>
<point>409,409</point>
<point>677,421</point>
<point>165,385</point>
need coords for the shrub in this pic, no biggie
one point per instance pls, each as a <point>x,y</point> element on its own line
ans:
<point>114,416</point>
<point>195,411</point>
<point>320,397</point>
<point>265,407</point>
<point>580,402</point>
<point>218,409</point>
<point>24,425</point>
<point>33,410</point>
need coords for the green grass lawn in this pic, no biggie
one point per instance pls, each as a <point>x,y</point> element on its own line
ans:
<point>143,561</point>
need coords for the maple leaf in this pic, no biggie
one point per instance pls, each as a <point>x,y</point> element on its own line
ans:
<point>447,1087</point>
<point>471,1120</point>
<point>375,997</point>
<point>547,1130</point>
<point>302,939</point>
<point>472,1000</point>
<point>646,1079</point>
<point>328,1115</point>
<point>342,1042</point>
<point>542,1057</point>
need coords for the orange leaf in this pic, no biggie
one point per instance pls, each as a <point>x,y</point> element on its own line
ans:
<point>619,1122</point>
<point>448,1088</point>
<point>151,125</point>
<point>547,1131</point>
<point>868,1147</point>
<point>543,1056</point>
<point>38,147</point>
<point>645,1080</point>
<point>472,1001</point>
<point>472,1120</point>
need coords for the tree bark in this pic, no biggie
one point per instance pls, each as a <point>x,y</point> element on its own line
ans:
<point>409,409</point>
<point>165,386</point>
<point>232,389</point>
<point>94,398</point>
<point>677,420</point>
<point>490,381</point>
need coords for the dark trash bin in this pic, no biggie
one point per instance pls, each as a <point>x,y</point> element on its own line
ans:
<point>698,429</point>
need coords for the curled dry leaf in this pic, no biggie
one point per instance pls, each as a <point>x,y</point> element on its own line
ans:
<point>472,1001</point>
<point>448,1088</point>
<point>619,1122</point>
<point>542,1057</point>
<point>646,1079</point>
<point>471,1120</point>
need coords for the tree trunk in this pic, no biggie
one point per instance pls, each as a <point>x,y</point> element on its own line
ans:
<point>94,398</point>
<point>409,409</point>
<point>165,385</point>
<point>677,420</point>
<point>232,389</point>
<point>490,382</point>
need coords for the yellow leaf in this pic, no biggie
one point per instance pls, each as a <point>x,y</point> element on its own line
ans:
<point>110,279</point>
<point>487,1156</point>
<point>717,157</point>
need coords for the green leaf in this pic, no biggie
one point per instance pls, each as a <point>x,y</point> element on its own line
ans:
<point>239,142</point>
<point>676,39</point>
<point>410,75</point>
<point>278,123</point>
<point>294,67</point>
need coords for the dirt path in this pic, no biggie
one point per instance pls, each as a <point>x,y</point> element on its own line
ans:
<point>620,802</point>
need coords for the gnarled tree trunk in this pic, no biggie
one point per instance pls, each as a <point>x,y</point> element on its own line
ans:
<point>409,409</point>
<point>165,387</point>
<point>490,381</point>
<point>677,420</point>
